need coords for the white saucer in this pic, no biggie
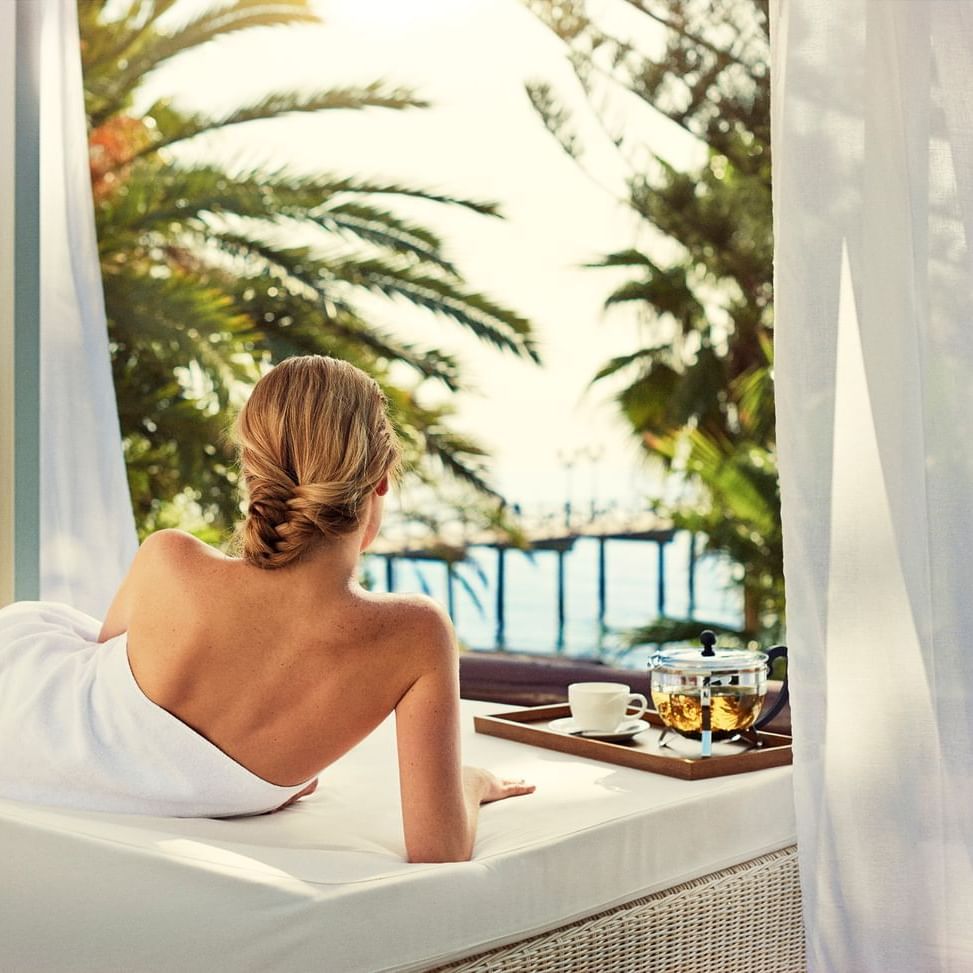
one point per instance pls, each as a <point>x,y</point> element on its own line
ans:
<point>624,731</point>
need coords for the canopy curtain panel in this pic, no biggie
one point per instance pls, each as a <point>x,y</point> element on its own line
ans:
<point>87,532</point>
<point>873,199</point>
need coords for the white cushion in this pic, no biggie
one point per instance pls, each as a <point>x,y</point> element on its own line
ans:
<point>323,884</point>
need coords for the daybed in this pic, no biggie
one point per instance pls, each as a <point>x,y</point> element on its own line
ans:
<point>603,870</point>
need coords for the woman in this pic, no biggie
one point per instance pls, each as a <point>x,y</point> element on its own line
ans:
<point>221,685</point>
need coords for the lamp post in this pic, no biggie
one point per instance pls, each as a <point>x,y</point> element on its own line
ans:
<point>568,458</point>
<point>593,454</point>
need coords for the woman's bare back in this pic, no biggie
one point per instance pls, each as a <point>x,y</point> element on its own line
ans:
<point>283,670</point>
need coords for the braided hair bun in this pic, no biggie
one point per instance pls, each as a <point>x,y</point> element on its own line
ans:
<point>315,441</point>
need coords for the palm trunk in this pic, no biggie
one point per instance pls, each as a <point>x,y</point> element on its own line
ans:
<point>751,611</point>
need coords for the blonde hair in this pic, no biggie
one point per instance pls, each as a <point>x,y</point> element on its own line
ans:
<point>315,440</point>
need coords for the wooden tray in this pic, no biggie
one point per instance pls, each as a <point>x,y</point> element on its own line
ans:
<point>681,759</point>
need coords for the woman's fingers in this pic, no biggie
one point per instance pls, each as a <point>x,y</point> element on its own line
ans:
<point>503,788</point>
<point>310,789</point>
<point>493,788</point>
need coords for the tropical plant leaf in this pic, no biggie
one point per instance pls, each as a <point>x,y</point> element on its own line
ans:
<point>489,321</point>
<point>152,48</point>
<point>172,126</point>
<point>664,630</point>
<point>381,228</point>
<point>555,116</point>
<point>640,356</point>
<point>625,258</point>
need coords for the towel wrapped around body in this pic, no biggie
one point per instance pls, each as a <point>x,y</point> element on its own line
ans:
<point>77,731</point>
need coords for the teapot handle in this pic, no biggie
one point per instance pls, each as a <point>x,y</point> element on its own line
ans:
<point>777,652</point>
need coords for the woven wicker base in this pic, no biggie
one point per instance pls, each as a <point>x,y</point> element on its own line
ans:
<point>744,919</point>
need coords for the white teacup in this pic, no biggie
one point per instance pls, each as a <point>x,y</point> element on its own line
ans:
<point>600,707</point>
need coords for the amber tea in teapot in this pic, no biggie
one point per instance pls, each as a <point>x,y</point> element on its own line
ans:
<point>732,709</point>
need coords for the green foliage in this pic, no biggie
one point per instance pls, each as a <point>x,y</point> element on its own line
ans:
<point>211,274</point>
<point>684,630</point>
<point>699,394</point>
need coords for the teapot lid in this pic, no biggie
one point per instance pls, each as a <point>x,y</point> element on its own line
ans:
<point>708,658</point>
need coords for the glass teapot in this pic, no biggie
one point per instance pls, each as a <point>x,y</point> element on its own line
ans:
<point>712,694</point>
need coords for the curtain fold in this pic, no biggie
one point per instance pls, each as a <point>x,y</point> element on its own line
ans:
<point>873,221</point>
<point>87,529</point>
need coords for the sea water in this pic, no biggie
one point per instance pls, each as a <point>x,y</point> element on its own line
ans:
<point>530,604</point>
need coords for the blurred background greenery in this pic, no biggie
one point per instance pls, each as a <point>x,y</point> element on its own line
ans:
<point>699,392</point>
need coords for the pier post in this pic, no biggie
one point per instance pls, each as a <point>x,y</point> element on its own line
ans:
<point>560,599</point>
<point>692,574</point>
<point>450,592</point>
<point>501,598</point>
<point>602,590</point>
<point>661,593</point>
<point>389,573</point>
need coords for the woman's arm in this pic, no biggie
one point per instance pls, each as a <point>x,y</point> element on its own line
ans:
<point>440,798</point>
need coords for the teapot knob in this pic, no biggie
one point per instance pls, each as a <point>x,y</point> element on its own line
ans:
<point>708,641</point>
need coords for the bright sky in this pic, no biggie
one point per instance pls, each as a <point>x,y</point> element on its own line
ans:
<point>470,58</point>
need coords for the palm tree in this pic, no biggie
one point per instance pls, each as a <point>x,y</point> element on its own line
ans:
<point>204,286</point>
<point>698,392</point>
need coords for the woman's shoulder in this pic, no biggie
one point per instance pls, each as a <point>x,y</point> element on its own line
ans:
<point>413,608</point>
<point>173,551</point>
<point>167,565</point>
<point>172,561</point>
<point>416,618</point>
<point>175,544</point>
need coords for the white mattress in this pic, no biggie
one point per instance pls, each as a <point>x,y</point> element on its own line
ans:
<point>322,885</point>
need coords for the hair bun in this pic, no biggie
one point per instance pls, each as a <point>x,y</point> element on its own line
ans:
<point>315,441</point>
<point>331,507</point>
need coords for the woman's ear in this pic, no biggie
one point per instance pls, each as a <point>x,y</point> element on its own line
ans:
<point>383,486</point>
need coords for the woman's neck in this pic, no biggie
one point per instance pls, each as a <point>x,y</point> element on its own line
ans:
<point>329,569</point>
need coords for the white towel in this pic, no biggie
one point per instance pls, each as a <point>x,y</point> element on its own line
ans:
<point>77,731</point>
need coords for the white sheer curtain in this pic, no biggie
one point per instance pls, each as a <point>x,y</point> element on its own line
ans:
<point>87,529</point>
<point>873,196</point>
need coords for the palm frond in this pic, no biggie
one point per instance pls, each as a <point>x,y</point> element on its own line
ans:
<point>452,450</point>
<point>647,401</point>
<point>556,117</point>
<point>155,195</point>
<point>127,28</point>
<point>154,48</point>
<point>174,302</point>
<point>736,480</point>
<point>172,126</point>
<point>184,323</point>
<point>384,230</point>
<point>667,291</point>
<point>491,322</point>
<point>318,328</point>
<point>365,187</point>
<point>624,258</point>
<point>640,356</point>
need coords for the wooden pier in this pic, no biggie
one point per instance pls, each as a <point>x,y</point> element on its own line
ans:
<point>560,545</point>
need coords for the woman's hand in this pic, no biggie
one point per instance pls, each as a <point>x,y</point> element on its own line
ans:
<point>310,789</point>
<point>491,788</point>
